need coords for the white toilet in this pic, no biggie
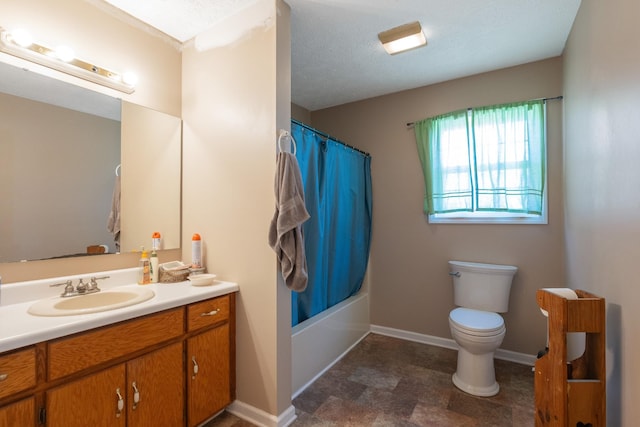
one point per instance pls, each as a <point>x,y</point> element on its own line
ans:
<point>480,291</point>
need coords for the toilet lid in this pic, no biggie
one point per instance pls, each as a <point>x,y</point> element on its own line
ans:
<point>476,321</point>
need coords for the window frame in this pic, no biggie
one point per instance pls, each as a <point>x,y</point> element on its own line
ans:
<point>482,217</point>
<point>486,217</point>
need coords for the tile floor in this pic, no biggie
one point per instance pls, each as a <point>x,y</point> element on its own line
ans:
<point>386,381</point>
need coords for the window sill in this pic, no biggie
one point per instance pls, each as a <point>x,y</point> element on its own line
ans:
<point>477,219</point>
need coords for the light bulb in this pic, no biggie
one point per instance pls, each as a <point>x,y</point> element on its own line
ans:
<point>129,78</point>
<point>65,53</point>
<point>21,37</point>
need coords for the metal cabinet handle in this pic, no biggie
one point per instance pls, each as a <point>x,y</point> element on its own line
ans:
<point>120,403</point>
<point>210,313</point>
<point>4,377</point>
<point>196,368</point>
<point>136,395</point>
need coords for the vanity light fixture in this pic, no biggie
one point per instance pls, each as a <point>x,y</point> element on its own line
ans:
<point>402,38</point>
<point>62,58</point>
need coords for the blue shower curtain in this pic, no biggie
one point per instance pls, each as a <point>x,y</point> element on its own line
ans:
<point>337,186</point>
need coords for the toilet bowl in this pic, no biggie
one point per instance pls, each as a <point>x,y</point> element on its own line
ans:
<point>478,335</point>
<point>481,291</point>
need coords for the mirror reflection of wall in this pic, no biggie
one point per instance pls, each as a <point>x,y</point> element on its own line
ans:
<point>56,179</point>
<point>151,157</point>
<point>57,169</point>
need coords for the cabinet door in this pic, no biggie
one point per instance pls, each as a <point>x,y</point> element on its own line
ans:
<point>155,394</point>
<point>91,401</point>
<point>208,379</point>
<point>21,413</point>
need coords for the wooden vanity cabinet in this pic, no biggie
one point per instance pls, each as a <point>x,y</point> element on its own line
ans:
<point>158,379</point>
<point>145,391</point>
<point>17,375</point>
<point>135,377</point>
<point>208,385</point>
<point>90,401</point>
<point>210,358</point>
<point>17,371</point>
<point>69,355</point>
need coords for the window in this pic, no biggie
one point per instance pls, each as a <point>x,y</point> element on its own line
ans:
<point>485,164</point>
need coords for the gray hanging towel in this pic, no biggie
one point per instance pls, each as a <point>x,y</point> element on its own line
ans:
<point>113,222</point>
<point>285,232</point>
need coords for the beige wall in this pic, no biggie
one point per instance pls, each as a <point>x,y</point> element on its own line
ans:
<point>300,113</point>
<point>409,283</point>
<point>106,40</point>
<point>232,103</point>
<point>602,153</point>
<point>45,149</point>
<point>235,98</point>
<point>151,178</point>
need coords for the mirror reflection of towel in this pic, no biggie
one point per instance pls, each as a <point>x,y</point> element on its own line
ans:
<point>285,232</point>
<point>113,222</point>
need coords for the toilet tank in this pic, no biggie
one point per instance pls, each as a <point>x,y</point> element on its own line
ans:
<point>482,286</point>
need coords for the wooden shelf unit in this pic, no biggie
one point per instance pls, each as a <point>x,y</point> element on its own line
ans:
<point>572,393</point>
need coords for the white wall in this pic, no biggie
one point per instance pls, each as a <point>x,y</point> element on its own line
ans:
<point>602,173</point>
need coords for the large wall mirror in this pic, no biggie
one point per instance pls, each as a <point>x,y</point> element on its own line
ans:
<point>65,152</point>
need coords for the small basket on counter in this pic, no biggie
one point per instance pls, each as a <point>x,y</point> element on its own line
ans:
<point>173,272</point>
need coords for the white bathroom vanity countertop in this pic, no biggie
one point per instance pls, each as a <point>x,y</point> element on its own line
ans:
<point>18,328</point>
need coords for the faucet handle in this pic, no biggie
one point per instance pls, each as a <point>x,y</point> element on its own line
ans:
<point>93,285</point>
<point>68,287</point>
<point>67,283</point>
<point>81,287</point>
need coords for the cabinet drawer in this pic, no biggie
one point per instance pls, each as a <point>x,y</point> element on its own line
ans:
<point>17,371</point>
<point>83,350</point>
<point>207,312</point>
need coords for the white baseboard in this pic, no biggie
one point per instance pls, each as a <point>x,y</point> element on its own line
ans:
<point>508,355</point>
<point>261,418</point>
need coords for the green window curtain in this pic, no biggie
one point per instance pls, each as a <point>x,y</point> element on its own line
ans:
<point>509,142</point>
<point>489,159</point>
<point>444,150</point>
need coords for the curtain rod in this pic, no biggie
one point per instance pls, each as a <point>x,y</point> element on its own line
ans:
<point>325,135</point>
<point>411,124</point>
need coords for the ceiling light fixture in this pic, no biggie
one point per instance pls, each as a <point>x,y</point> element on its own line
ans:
<point>63,59</point>
<point>402,38</point>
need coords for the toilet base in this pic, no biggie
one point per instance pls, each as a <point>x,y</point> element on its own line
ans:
<point>475,374</point>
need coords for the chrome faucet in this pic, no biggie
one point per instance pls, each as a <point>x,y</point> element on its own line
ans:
<point>81,288</point>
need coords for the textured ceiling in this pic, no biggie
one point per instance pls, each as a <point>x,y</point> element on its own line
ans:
<point>336,56</point>
<point>181,19</point>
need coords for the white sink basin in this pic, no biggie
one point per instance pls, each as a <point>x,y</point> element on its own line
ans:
<point>92,303</point>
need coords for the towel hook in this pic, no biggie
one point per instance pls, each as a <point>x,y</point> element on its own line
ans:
<point>286,135</point>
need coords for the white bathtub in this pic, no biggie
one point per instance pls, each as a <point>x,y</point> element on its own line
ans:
<point>319,342</point>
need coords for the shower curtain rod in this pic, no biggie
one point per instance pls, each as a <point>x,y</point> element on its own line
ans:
<point>411,124</point>
<point>327,136</point>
